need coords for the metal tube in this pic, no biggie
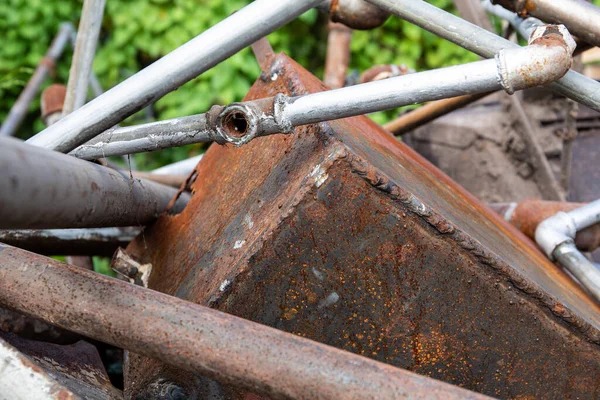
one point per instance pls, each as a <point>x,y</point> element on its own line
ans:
<point>43,189</point>
<point>529,214</point>
<point>579,16</point>
<point>21,106</point>
<point>199,339</point>
<point>239,30</point>
<point>338,55</point>
<point>556,235</point>
<point>525,26</point>
<point>239,123</point>
<point>149,137</point>
<point>429,112</point>
<point>486,44</point>
<point>83,55</point>
<point>184,167</point>
<point>78,242</point>
<point>510,71</point>
<point>586,216</point>
<point>586,273</point>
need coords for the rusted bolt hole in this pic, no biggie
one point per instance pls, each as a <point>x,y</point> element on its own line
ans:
<point>236,124</point>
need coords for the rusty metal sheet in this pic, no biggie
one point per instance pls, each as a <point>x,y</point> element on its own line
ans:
<point>344,235</point>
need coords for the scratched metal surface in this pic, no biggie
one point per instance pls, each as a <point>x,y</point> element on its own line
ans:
<point>344,235</point>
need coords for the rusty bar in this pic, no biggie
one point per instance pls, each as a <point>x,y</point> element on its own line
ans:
<point>83,55</point>
<point>53,98</point>
<point>380,72</point>
<point>227,348</point>
<point>43,189</point>
<point>80,242</point>
<point>21,106</point>
<point>486,44</point>
<point>357,14</point>
<point>429,112</point>
<point>579,16</point>
<point>338,55</point>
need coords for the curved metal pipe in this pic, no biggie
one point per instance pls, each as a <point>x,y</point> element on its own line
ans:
<point>556,237</point>
<point>484,43</point>
<point>582,18</point>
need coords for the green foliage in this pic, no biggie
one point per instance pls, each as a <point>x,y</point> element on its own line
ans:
<point>135,33</point>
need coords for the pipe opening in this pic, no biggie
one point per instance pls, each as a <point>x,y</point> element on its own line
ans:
<point>236,124</point>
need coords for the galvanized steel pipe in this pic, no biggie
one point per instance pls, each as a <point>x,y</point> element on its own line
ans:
<point>556,236</point>
<point>486,44</point>
<point>582,18</point>
<point>514,69</point>
<point>42,189</point>
<point>83,55</point>
<point>21,106</point>
<point>198,339</point>
<point>238,123</point>
<point>149,137</point>
<point>239,30</point>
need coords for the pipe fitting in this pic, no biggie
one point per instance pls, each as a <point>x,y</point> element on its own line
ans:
<point>547,59</point>
<point>554,231</point>
<point>357,14</point>
<point>237,123</point>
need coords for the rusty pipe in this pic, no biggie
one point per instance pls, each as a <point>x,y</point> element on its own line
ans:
<point>199,339</point>
<point>357,14</point>
<point>21,106</point>
<point>380,72</point>
<point>78,242</point>
<point>338,55</point>
<point>429,112</point>
<point>579,16</point>
<point>528,214</point>
<point>44,189</point>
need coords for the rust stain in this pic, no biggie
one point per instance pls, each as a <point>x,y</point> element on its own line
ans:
<point>344,235</point>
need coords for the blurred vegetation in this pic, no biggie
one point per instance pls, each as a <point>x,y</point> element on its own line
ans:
<point>137,32</point>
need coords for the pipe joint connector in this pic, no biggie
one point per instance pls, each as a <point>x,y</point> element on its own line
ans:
<point>238,123</point>
<point>547,59</point>
<point>555,231</point>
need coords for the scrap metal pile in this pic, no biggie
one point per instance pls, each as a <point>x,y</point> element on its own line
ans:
<point>309,253</point>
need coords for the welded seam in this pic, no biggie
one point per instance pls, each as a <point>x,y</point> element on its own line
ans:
<point>383,183</point>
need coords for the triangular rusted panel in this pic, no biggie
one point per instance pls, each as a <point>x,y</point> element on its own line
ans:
<point>341,234</point>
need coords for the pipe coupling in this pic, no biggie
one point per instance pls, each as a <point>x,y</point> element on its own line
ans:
<point>555,231</point>
<point>547,59</point>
